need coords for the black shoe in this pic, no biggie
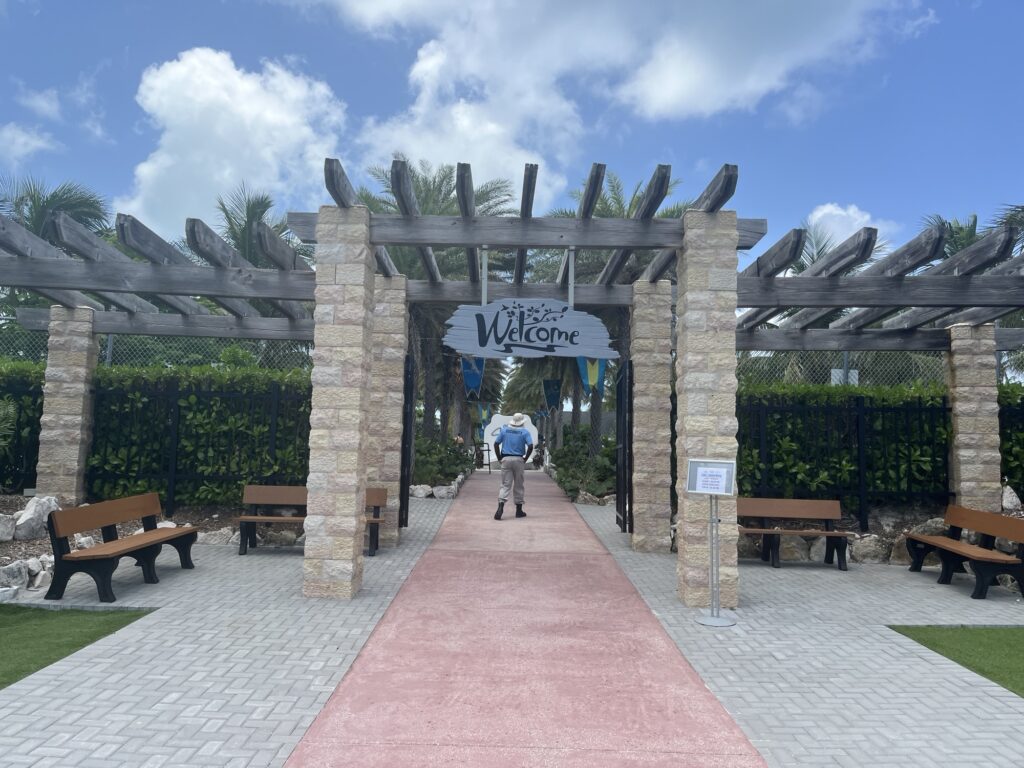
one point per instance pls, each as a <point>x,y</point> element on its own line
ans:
<point>519,511</point>
<point>501,508</point>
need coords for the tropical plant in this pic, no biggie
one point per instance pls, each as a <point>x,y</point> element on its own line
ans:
<point>8,422</point>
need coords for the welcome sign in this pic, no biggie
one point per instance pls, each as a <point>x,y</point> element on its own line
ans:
<point>527,328</point>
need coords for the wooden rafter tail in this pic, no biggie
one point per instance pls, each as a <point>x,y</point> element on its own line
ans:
<point>853,251</point>
<point>654,195</point>
<point>405,196</point>
<point>338,186</point>
<point>750,232</point>
<point>272,247</point>
<point>151,278</point>
<point>923,249</point>
<point>198,326</point>
<point>993,248</point>
<point>981,315</point>
<point>588,202</point>
<point>719,190</point>
<point>770,263</point>
<point>137,237</point>
<point>525,212</point>
<point>466,196</point>
<point>78,240</point>
<point>212,247</point>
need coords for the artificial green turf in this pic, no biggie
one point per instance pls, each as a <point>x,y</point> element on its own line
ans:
<point>992,652</point>
<point>32,638</point>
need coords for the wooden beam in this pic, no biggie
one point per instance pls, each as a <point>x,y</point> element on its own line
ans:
<point>719,190</point>
<point>459,292</point>
<point>80,241</point>
<point>69,299</point>
<point>344,196</point>
<point>982,315</point>
<point>1009,339</point>
<point>135,235</point>
<point>779,256</point>
<point>525,212</point>
<point>794,340</point>
<point>654,195</point>
<point>272,247</point>
<point>212,247</point>
<point>750,233</point>
<point>405,196</point>
<point>466,197</point>
<point>151,278</point>
<point>992,248</point>
<point>890,293</point>
<point>855,250</point>
<point>588,202</point>
<point>204,326</point>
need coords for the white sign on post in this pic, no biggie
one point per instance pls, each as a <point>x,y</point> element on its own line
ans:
<point>713,477</point>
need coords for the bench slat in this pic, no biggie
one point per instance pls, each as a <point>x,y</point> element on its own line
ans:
<point>788,532</point>
<point>970,551</point>
<point>67,522</point>
<point>790,509</point>
<point>282,495</point>
<point>129,543</point>
<point>270,519</point>
<point>1011,528</point>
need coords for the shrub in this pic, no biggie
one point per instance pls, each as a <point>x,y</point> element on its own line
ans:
<point>439,462</point>
<point>577,471</point>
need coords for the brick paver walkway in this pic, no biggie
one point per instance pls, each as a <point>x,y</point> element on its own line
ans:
<point>815,677</point>
<point>230,671</point>
<point>521,643</point>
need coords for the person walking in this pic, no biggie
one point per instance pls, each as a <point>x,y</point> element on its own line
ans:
<point>513,447</point>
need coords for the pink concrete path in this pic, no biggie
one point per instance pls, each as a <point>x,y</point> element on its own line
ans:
<point>521,643</point>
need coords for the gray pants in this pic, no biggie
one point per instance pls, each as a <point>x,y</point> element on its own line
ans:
<point>512,468</point>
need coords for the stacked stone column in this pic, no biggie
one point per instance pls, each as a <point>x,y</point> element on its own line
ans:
<point>650,349</point>
<point>973,393</point>
<point>339,421</point>
<point>387,372</point>
<point>65,435</point>
<point>706,395</point>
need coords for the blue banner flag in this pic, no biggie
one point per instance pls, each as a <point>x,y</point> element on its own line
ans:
<point>553,393</point>
<point>592,374</point>
<point>473,375</point>
<point>483,412</point>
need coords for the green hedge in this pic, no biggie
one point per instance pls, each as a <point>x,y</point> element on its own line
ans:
<point>576,471</point>
<point>22,382</point>
<point>438,462</point>
<point>1011,434</point>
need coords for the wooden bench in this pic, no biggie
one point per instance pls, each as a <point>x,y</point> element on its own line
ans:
<point>260,498</point>
<point>376,500</point>
<point>101,561</point>
<point>764,511</point>
<point>986,562</point>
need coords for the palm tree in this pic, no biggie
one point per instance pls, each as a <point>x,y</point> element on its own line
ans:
<point>436,195</point>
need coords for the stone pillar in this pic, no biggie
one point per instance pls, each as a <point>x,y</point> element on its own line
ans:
<point>343,318</point>
<point>387,375</point>
<point>706,395</point>
<point>650,349</point>
<point>973,390</point>
<point>65,435</point>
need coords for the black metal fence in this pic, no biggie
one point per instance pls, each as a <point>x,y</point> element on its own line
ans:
<point>18,460</point>
<point>861,452</point>
<point>1011,445</point>
<point>196,445</point>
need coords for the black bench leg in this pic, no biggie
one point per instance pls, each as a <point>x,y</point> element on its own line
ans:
<point>918,552</point>
<point>950,564</point>
<point>841,545</point>
<point>830,549</point>
<point>984,575</point>
<point>184,548</point>
<point>146,558</point>
<point>776,543</point>
<point>766,547</point>
<point>243,538</point>
<point>61,575</point>
<point>252,536</point>
<point>102,571</point>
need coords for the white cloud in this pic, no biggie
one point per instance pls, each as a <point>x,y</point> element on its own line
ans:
<point>44,104</point>
<point>84,96</point>
<point>221,125</point>
<point>18,144</point>
<point>842,221</point>
<point>516,67</point>
<point>917,26</point>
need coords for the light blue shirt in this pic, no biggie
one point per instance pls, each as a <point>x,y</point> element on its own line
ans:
<point>513,440</point>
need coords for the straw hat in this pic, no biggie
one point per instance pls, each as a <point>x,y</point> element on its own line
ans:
<point>518,420</point>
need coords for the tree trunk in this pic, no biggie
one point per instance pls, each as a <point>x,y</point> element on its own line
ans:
<point>577,400</point>
<point>429,387</point>
<point>596,413</point>
<point>446,395</point>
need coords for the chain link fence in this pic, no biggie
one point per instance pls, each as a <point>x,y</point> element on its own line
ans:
<point>866,369</point>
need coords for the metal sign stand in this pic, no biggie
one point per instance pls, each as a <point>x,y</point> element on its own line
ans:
<point>715,619</point>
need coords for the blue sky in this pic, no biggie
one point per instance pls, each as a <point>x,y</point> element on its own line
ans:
<point>851,112</point>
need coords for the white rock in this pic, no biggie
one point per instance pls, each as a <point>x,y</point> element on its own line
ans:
<point>33,565</point>
<point>30,523</point>
<point>793,549</point>
<point>443,492</point>
<point>301,540</point>
<point>816,552</point>
<point>7,594</point>
<point>161,524</point>
<point>236,538</point>
<point>40,580</point>
<point>220,536</point>
<point>588,499</point>
<point>748,547</point>
<point>47,562</point>
<point>420,491</point>
<point>14,575</point>
<point>84,542</point>
<point>7,525</point>
<point>1011,502</point>
<point>870,548</point>
<point>282,538</point>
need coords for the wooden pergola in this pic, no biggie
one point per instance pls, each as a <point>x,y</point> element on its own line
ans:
<point>903,301</point>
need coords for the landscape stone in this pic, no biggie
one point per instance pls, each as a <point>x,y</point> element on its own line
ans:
<point>161,524</point>
<point>282,538</point>
<point>817,549</point>
<point>936,526</point>
<point>583,497</point>
<point>84,542</point>
<point>747,547</point>
<point>40,580</point>
<point>870,548</point>
<point>6,527</point>
<point>14,575</point>
<point>34,566</point>
<point>31,521</point>
<point>793,549</point>
<point>1011,502</point>
<point>220,536</point>
<point>444,492</point>
<point>420,491</point>
<point>8,594</point>
<point>899,554</point>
